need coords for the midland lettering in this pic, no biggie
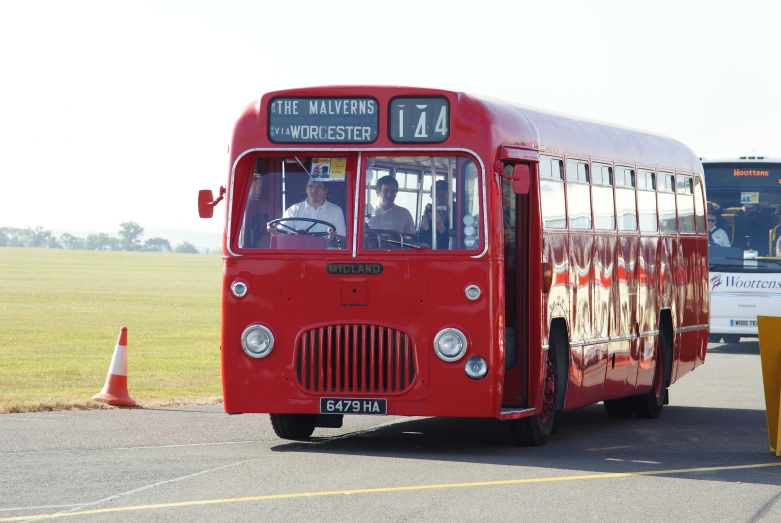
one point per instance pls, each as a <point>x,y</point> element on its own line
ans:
<point>354,268</point>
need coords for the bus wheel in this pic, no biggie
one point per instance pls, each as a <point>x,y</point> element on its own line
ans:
<point>620,408</point>
<point>714,338</point>
<point>536,430</point>
<point>650,405</point>
<point>731,338</point>
<point>293,426</point>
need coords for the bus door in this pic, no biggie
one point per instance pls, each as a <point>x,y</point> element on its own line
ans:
<point>515,209</point>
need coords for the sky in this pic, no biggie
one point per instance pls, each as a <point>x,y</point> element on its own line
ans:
<point>121,111</point>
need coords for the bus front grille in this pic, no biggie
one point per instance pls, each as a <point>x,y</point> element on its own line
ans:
<point>355,359</point>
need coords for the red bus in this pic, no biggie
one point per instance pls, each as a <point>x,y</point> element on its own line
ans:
<point>420,252</point>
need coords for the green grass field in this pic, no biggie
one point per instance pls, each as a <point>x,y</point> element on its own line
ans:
<point>60,315</point>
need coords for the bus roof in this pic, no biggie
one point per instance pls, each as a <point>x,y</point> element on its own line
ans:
<point>554,133</point>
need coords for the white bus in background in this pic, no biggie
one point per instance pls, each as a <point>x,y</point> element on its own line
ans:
<point>745,278</point>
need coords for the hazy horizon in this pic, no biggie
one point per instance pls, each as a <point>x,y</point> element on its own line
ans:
<point>122,112</point>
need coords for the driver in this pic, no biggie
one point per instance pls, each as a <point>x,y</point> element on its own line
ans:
<point>316,207</point>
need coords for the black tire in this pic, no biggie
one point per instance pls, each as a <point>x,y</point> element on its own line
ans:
<point>536,430</point>
<point>714,338</point>
<point>298,427</point>
<point>620,408</point>
<point>650,405</point>
<point>731,338</point>
<point>531,432</point>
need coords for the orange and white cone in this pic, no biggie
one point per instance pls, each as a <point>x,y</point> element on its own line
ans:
<point>115,390</point>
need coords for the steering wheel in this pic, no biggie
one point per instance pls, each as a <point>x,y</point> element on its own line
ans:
<point>307,231</point>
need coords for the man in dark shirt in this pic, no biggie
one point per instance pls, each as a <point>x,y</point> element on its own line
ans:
<point>438,217</point>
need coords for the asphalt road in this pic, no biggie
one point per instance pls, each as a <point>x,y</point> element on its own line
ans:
<point>706,458</point>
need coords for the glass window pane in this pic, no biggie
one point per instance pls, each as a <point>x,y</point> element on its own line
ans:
<point>645,179</point>
<point>545,168</point>
<point>572,170</point>
<point>607,175</point>
<point>625,176</point>
<point>401,216</point>
<point>578,206</point>
<point>601,174</point>
<point>552,199</point>
<point>306,207</point>
<point>582,172</point>
<point>557,169</point>
<point>667,211</point>
<point>666,182</point>
<point>684,185</point>
<point>646,203</point>
<point>627,213</point>
<point>686,213</point>
<point>604,215</point>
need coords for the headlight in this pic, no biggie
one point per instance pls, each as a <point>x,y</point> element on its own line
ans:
<point>257,341</point>
<point>476,368</point>
<point>450,344</point>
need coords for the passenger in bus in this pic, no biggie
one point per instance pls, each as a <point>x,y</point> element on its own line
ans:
<point>439,217</point>
<point>716,235</point>
<point>757,227</point>
<point>778,247</point>
<point>385,213</point>
<point>316,207</point>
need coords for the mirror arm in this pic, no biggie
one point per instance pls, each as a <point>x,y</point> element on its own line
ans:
<point>511,178</point>
<point>219,198</point>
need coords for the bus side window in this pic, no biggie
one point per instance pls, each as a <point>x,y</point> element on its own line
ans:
<point>666,199</point>
<point>685,199</point>
<point>646,200</point>
<point>602,197</point>
<point>699,206</point>
<point>578,198</point>
<point>625,199</point>
<point>552,193</point>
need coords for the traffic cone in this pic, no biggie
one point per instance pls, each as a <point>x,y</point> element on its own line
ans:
<point>115,390</point>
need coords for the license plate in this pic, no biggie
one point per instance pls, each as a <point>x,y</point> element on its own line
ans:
<point>353,406</point>
<point>742,323</point>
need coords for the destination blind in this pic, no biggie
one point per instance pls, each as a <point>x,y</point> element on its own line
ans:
<point>754,175</point>
<point>323,120</point>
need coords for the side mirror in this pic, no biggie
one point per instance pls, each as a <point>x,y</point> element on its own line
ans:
<point>205,203</point>
<point>521,178</point>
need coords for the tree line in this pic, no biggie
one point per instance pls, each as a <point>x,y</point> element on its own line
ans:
<point>128,239</point>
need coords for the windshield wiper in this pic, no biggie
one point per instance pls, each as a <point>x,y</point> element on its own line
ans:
<point>410,245</point>
<point>303,167</point>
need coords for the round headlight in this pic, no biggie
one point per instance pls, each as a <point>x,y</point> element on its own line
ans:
<point>257,341</point>
<point>450,344</point>
<point>476,368</point>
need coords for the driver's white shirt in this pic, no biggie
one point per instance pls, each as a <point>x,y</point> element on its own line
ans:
<point>328,212</point>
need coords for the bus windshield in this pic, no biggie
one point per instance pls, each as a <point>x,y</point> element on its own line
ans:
<point>744,212</point>
<point>409,203</point>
